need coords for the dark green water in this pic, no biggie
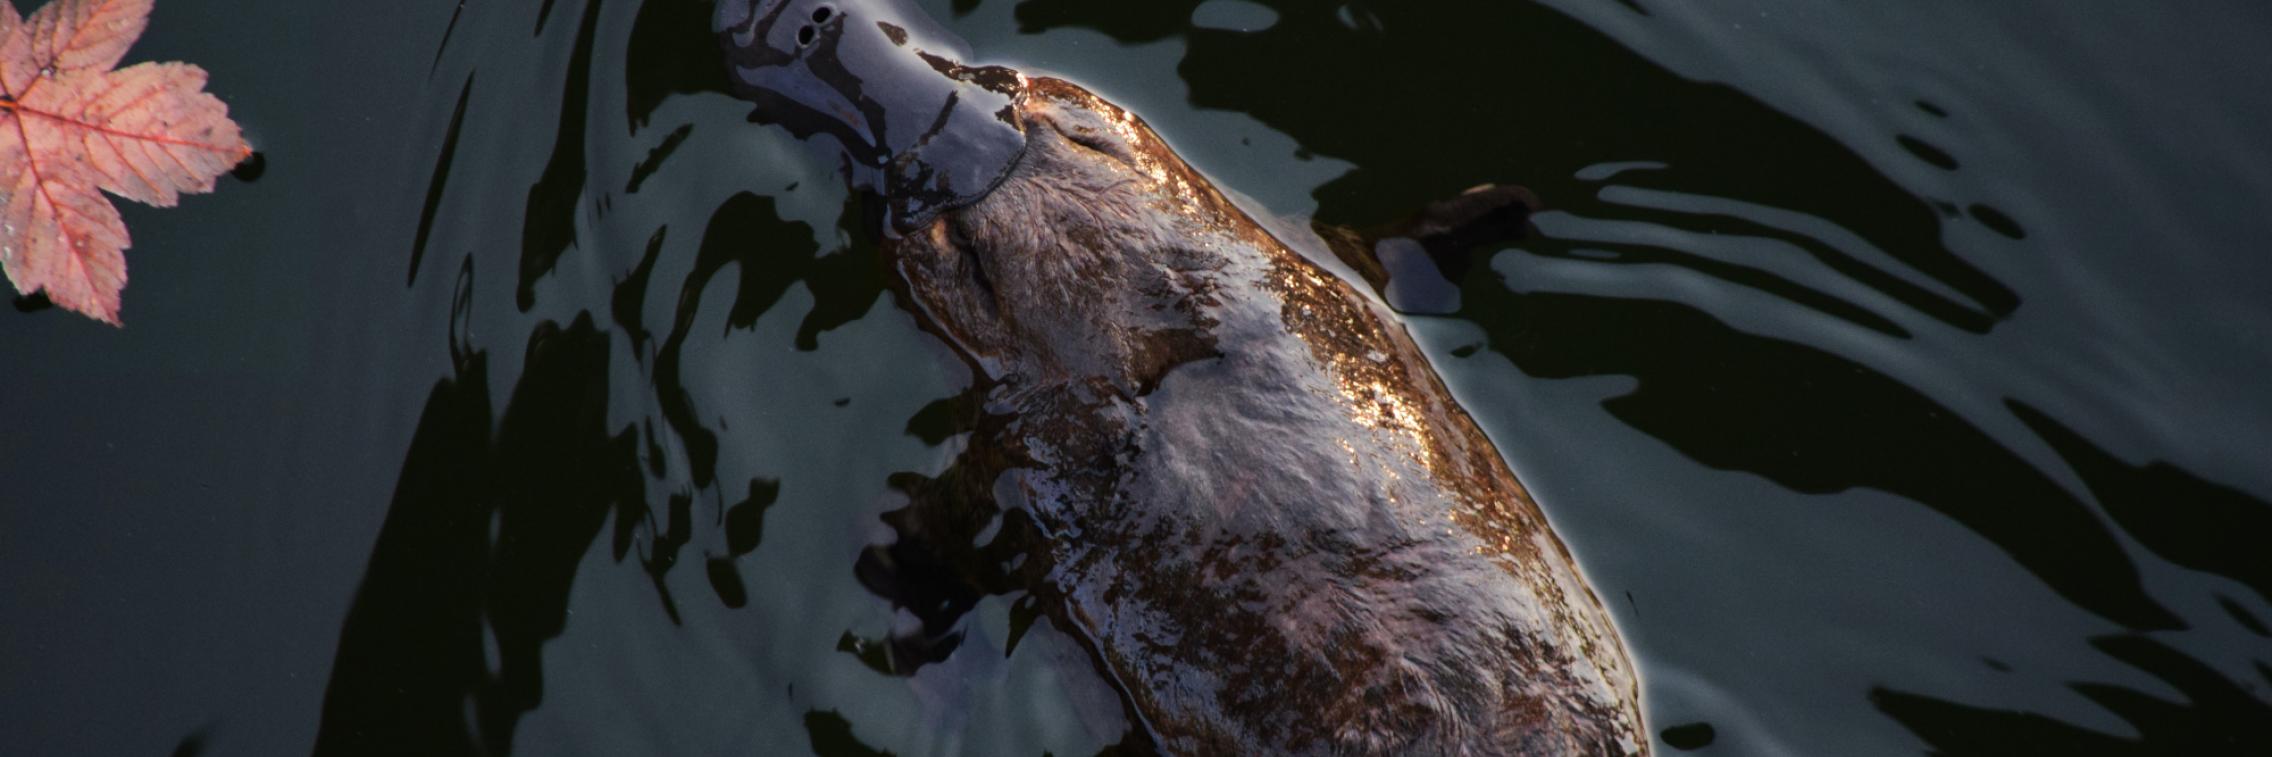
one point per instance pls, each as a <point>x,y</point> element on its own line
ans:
<point>1895,370</point>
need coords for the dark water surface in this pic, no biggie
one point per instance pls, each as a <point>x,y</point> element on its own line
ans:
<point>1897,371</point>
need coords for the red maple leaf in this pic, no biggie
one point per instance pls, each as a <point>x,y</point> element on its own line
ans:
<point>69,125</point>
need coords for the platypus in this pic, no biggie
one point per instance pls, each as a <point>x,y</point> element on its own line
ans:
<point>1255,500</point>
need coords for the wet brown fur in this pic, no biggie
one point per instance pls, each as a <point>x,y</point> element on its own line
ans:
<point>1260,505</point>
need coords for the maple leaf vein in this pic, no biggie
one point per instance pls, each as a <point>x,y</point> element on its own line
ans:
<point>147,132</point>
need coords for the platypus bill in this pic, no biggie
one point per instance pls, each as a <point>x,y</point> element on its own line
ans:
<point>1252,497</point>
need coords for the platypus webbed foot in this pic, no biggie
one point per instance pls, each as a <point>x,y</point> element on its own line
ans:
<point>1417,264</point>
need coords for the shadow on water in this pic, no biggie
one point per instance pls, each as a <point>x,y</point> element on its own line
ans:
<point>2215,715</point>
<point>483,539</point>
<point>549,225</point>
<point>2187,520</point>
<point>953,544</point>
<point>1568,98</point>
<point>661,61</point>
<point>747,234</point>
<point>494,512</point>
<point>1816,423</point>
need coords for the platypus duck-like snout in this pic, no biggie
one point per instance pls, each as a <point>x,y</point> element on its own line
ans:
<point>915,124</point>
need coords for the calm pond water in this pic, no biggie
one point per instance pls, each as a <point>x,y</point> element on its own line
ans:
<point>1896,370</point>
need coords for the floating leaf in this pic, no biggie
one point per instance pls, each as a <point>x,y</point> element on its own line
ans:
<point>70,125</point>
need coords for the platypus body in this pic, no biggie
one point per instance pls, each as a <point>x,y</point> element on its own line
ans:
<point>1255,500</point>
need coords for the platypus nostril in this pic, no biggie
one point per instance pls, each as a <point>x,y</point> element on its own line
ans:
<point>822,14</point>
<point>805,36</point>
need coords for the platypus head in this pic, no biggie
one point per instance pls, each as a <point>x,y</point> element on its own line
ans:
<point>887,84</point>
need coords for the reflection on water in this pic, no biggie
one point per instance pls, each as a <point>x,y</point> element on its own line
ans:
<point>1746,272</point>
